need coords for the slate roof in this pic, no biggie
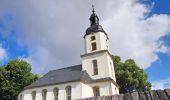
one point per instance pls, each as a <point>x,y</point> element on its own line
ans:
<point>69,74</point>
<point>95,28</point>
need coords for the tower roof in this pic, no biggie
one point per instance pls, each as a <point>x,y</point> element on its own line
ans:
<point>94,19</point>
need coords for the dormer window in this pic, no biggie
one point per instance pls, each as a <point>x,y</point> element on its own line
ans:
<point>94,47</point>
<point>93,38</point>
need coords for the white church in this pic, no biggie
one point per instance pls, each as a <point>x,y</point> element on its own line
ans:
<point>94,77</point>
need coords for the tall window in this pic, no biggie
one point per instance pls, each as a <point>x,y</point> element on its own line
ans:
<point>111,69</point>
<point>96,91</point>
<point>44,94</point>
<point>93,38</point>
<point>94,47</point>
<point>116,90</point>
<point>20,98</point>
<point>68,93</point>
<point>95,67</point>
<point>56,91</point>
<point>107,44</point>
<point>33,95</point>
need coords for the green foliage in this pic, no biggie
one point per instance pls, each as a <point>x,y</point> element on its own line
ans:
<point>14,76</point>
<point>130,76</point>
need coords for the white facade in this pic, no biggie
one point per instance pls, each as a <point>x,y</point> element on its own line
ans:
<point>76,87</point>
<point>79,90</point>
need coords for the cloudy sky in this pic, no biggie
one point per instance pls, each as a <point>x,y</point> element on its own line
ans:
<point>49,33</point>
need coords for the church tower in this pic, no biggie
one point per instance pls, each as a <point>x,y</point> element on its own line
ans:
<point>97,60</point>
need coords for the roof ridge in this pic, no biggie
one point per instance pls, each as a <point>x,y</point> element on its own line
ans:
<point>65,67</point>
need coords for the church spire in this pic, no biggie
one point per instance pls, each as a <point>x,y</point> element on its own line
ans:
<point>93,8</point>
<point>94,23</point>
<point>94,19</point>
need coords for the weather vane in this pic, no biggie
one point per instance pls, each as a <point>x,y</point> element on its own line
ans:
<point>93,6</point>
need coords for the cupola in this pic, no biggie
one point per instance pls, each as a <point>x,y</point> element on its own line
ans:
<point>94,24</point>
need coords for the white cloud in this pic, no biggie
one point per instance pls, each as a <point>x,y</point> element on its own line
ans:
<point>54,29</point>
<point>161,84</point>
<point>136,35</point>
<point>3,53</point>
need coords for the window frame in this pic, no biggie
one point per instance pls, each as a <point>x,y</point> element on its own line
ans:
<point>95,67</point>
<point>96,91</point>
<point>56,91</point>
<point>93,46</point>
<point>93,38</point>
<point>44,94</point>
<point>68,92</point>
<point>112,69</point>
<point>20,97</point>
<point>33,94</point>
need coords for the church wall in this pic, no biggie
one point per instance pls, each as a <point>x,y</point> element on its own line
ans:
<point>86,90</point>
<point>76,87</point>
<point>115,90</point>
<point>79,90</point>
<point>103,86</point>
<point>105,89</point>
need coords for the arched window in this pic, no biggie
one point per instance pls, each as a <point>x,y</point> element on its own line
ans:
<point>96,91</point>
<point>56,92</point>
<point>20,97</point>
<point>94,47</point>
<point>95,67</point>
<point>33,95</point>
<point>44,94</point>
<point>68,93</point>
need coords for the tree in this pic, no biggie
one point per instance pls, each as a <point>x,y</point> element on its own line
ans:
<point>14,76</point>
<point>130,77</point>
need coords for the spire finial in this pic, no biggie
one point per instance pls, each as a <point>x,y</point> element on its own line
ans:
<point>94,20</point>
<point>93,6</point>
